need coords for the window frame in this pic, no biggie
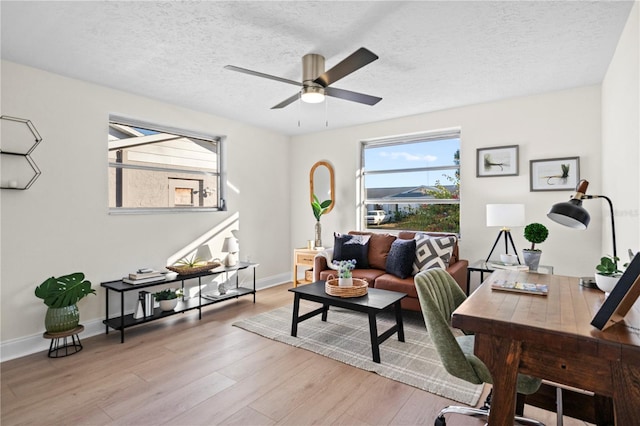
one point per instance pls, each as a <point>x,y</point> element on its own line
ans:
<point>396,140</point>
<point>220,174</point>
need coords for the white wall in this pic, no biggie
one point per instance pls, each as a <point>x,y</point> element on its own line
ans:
<point>61,224</point>
<point>621,140</point>
<point>560,124</point>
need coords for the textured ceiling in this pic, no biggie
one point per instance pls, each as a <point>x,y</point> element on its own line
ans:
<point>433,54</point>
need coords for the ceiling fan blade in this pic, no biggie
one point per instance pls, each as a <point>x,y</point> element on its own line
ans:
<point>352,96</point>
<point>287,101</point>
<point>261,74</point>
<point>351,63</point>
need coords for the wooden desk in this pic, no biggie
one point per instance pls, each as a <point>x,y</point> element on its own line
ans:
<point>551,337</point>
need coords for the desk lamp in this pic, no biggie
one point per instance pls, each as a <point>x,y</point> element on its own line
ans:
<point>505,216</point>
<point>232,247</point>
<point>572,214</point>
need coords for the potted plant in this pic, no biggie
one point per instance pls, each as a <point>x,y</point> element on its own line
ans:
<point>535,233</point>
<point>168,298</point>
<point>61,295</point>
<point>319,208</point>
<point>345,279</point>
<point>607,274</point>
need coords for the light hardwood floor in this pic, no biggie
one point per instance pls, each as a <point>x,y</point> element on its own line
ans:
<point>182,371</point>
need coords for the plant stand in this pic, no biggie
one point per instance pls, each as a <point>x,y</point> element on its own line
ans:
<point>61,346</point>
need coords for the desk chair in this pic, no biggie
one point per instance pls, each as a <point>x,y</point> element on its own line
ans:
<point>439,296</point>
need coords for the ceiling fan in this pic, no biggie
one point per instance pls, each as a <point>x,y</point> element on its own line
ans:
<point>316,81</point>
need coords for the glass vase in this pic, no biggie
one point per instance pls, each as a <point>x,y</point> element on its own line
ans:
<point>318,241</point>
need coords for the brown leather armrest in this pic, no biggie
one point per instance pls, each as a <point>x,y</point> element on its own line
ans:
<point>319,265</point>
<point>458,271</point>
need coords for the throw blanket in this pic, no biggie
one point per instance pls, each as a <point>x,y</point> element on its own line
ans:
<point>328,254</point>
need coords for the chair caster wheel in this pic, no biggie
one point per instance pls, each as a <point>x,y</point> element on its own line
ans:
<point>440,421</point>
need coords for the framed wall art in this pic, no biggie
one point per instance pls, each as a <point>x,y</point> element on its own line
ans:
<point>497,161</point>
<point>554,174</point>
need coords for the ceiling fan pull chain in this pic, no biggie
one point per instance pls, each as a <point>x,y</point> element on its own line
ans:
<point>326,112</point>
<point>299,107</point>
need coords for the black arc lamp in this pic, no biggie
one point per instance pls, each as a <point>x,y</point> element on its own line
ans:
<point>573,215</point>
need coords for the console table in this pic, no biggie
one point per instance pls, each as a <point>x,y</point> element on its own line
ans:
<point>122,321</point>
<point>483,266</point>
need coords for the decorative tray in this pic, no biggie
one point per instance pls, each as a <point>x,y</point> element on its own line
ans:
<point>188,270</point>
<point>359,288</point>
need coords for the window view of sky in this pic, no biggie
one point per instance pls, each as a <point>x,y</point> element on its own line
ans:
<point>410,156</point>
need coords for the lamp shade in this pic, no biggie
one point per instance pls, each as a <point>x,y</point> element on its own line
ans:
<point>312,94</point>
<point>230,245</point>
<point>570,213</point>
<point>505,215</point>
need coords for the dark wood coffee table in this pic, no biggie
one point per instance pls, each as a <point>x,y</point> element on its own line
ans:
<point>374,302</point>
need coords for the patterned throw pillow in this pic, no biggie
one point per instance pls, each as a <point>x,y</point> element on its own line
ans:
<point>432,252</point>
<point>400,258</point>
<point>347,247</point>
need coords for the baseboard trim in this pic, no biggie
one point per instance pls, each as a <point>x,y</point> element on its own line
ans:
<point>23,346</point>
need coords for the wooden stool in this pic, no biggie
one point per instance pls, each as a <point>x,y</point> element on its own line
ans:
<point>60,345</point>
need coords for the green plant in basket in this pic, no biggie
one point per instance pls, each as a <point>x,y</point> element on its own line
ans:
<point>191,262</point>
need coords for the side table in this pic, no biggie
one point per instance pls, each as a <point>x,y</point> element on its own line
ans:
<point>483,266</point>
<point>60,345</point>
<point>304,257</point>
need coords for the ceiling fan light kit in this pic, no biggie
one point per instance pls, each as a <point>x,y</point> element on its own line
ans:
<point>316,81</point>
<point>312,94</point>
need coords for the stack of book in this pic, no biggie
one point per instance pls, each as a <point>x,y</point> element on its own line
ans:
<point>520,287</point>
<point>495,264</point>
<point>143,276</point>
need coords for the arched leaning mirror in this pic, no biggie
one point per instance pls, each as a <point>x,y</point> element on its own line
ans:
<point>321,183</point>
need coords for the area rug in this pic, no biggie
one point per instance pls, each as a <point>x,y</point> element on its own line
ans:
<point>345,337</point>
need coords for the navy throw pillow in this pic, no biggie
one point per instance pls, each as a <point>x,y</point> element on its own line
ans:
<point>400,258</point>
<point>348,247</point>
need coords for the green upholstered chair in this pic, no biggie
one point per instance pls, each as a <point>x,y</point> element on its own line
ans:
<point>439,296</point>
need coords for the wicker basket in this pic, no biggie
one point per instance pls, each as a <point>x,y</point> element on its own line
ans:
<point>358,289</point>
<point>188,270</point>
<point>308,275</point>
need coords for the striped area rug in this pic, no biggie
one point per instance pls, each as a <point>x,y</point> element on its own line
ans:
<point>345,337</point>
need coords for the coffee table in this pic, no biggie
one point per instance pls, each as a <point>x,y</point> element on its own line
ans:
<point>374,302</point>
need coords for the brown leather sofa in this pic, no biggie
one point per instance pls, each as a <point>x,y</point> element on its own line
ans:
<point>376,275</point>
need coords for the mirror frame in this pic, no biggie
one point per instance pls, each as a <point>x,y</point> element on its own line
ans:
<point>331,183</point>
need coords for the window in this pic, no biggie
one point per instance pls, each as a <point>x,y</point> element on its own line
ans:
<point>412,182</point>
<point>152,168</point>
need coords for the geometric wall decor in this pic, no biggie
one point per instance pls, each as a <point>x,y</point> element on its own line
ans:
<point>17,168</point>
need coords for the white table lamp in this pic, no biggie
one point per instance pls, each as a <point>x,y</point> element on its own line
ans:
<point>232,247</point>
<point>505,216</point>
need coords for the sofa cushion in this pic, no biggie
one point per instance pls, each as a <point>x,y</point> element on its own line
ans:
<point>432,252</point>
<point>408,235</point>
<point>356,247</point>
<point>400,258</point>
<point>393,283</point>
<point>379,246</point>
